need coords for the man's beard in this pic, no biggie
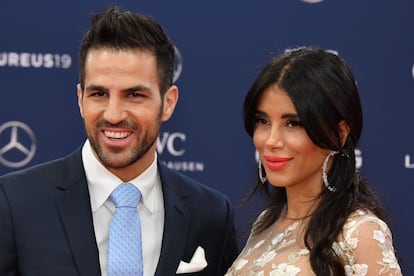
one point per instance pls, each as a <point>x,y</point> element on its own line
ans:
<point>112,159</point>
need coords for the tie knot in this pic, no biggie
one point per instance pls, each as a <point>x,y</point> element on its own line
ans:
<point>126,195</point>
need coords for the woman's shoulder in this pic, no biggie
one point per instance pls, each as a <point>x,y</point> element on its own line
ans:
<point>366,244</point>
<point>364,219</point>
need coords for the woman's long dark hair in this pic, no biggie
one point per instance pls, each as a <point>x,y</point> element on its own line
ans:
<point>324,93</point>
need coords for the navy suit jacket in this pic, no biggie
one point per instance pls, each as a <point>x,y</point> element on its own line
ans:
<point>46,225</point>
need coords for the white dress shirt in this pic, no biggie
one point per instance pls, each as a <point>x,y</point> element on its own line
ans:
<point>101,183</point>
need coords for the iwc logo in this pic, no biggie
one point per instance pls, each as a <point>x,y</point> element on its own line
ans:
<point>17,144</point>
<point>173,144</point>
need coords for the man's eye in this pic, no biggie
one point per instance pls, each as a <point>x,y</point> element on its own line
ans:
<point>136,95</point>
<point>99,94</point>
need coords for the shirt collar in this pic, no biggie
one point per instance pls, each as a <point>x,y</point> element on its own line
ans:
<point>101,182</point>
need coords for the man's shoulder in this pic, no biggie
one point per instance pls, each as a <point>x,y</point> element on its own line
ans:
<point>43,170</point>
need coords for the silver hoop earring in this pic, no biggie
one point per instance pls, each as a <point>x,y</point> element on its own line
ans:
<point>324,173</point>
<point>262,178</point>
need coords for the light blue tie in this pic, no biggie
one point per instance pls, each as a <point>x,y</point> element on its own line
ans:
<point>125,249</point>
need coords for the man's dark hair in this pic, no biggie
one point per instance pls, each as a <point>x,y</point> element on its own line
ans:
<point>123,30</point>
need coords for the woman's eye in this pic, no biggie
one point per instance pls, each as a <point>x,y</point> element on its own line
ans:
<point>261,121</point>
<point>293,123</point>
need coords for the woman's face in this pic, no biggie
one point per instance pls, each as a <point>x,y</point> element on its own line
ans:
<point>289,156</point>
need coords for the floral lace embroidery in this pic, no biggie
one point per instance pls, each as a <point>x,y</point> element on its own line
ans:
<point>269,254</point>
<point>348,246</point>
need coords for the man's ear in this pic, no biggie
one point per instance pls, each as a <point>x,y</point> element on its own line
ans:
<point>170,101</point>
<point>80,97</point>
<point>344,131</point>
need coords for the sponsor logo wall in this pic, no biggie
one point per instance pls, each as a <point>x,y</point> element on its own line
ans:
<point>220,48</point>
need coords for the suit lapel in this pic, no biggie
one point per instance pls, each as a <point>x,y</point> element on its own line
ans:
<point>73,203</point>
<point>176,223</point>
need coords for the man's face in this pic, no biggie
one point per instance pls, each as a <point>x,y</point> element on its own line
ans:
<point>122,108</point>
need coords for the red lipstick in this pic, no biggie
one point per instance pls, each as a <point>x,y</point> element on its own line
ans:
<point>276,163</point>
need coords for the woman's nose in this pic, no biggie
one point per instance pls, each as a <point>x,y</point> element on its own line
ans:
<point>274,139</point>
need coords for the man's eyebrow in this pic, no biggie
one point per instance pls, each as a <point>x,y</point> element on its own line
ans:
<point>93,87</point>
<point>137,88</point>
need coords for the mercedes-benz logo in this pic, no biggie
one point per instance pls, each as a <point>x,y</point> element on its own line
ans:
<point>16,144</point>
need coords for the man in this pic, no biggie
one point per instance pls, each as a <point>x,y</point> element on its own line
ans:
<point>55,217</point>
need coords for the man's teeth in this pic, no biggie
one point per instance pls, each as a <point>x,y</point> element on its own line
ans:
<point>116,135</point>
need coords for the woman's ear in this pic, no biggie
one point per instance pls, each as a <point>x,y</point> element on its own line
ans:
<point>344,131</point>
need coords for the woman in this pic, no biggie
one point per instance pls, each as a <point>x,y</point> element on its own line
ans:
<point>304,115</point>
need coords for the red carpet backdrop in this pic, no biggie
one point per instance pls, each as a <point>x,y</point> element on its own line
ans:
<point>221,46</point>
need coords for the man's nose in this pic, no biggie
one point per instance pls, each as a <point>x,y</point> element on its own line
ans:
<point>115,111</point>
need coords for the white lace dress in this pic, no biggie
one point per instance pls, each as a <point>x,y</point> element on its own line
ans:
<point>365,246</point>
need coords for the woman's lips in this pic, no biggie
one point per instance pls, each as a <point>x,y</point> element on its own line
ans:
<point>276,163</point>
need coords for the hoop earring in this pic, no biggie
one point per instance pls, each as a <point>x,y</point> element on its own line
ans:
<point>262,178</point>
<point>324,173</point>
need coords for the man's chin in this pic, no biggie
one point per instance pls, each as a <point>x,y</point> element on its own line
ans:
<point>115,159</point>
<point>115,164</point>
